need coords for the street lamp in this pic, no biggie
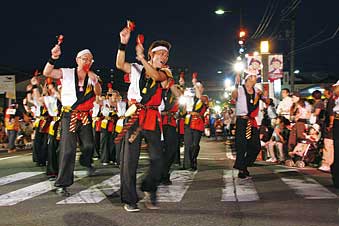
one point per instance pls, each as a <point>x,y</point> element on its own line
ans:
<point>221,11</point>
<point>264,47</point>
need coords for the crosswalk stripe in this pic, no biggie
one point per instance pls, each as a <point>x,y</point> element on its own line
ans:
<point>17,176</point>
<point>16,156</point>
<point>181,180</point>
<point>306,187</point>
<point>237,189</point>
<point>32,191</point>
<point>96,193</point>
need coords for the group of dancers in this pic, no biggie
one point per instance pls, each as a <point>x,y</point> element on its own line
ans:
<point>70,111</point>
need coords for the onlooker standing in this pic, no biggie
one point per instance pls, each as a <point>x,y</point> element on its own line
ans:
<point>328,131</point>
<point>286,104</point>
<point>318,109</point>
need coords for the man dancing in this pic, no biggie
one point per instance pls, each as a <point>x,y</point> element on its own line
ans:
<point>79,88</point>
<point>194,124</point>
<point>247,142</point>
<point>145,91</point>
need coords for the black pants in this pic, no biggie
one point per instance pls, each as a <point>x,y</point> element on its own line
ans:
<point>335,165</point>
<point>96,138</point>
<point>52,156</point>
<point>11,139</point>
<point>40,146</point>
<point>129,164</point>
<point>107,146</point>
<point>247,150</point>
<point>169,149</point>
<point>68,145</point>
<point>191,140</point>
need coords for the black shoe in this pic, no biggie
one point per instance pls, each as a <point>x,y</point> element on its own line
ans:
<point>62,192</point>
<point>247,173</point>
<point>242,175</point>
<point>131,208</point>
<point>166,182</point>
<point>193,168</point>
<point>91,171</point>
<point>52,178</point>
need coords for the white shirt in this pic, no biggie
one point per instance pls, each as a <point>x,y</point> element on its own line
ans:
<point>134,89</point>
<point>68,92</point>
<point>284,106</point>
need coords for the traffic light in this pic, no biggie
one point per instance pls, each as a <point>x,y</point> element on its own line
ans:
<point>241,41</point>
<point>242,37</point>
<point>242,34</point>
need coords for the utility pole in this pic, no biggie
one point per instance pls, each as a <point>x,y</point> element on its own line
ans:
<point>292,46</point>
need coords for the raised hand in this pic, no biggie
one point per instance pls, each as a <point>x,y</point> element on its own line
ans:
<point>140,52</point>
<point>125,35</point>
<point>56,52</point>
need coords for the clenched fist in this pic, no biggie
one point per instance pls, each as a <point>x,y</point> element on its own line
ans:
<point>125,34</point>
<point>56,52</point>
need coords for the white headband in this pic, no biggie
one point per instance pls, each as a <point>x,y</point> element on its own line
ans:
<point>247,76</point>
<point>83,52</point>
<point>158,48</point>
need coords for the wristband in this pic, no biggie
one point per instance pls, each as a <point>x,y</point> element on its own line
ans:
<point>51,61</point>
<point>122,46</point>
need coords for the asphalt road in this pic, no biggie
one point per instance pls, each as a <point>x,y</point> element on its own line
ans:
<point>213,195</point>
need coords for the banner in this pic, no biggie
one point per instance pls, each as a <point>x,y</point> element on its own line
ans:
<point>254,66</point>
<point>7,84</point>
<point>275,68</point>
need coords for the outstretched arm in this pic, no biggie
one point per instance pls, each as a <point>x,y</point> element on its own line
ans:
<point>120,60</point>
<point>49,70</point>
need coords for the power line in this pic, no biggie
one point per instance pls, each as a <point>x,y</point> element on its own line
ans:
<point>287,11</point>
<point>270,19</point>
<point>312,38</point>
<point>263,19</point>
<point>316,43</point>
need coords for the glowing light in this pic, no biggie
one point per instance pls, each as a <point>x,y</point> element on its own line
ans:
<point>219,72</point>
<point>255,53</point>
<point>239,66</point>
<point>241,42</point>
<point>239,58</point>
<point>242,34</point>
<point>219,12</point>
<point>297,71</point>
<point>227,83</point>
<point>264,47</point>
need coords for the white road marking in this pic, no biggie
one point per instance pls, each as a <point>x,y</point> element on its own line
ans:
<point>241,190</point>
<point>181,180</point>
<point>32,191</point>
<point>96,193</point>
<point>16,177</point>
<point>16,156</point>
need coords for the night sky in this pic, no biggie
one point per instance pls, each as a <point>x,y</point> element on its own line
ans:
<point>201,41</point>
